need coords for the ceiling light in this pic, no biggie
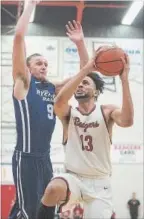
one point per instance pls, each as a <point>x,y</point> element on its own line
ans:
<point>132,12</point>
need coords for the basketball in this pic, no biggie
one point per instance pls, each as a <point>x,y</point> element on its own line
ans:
<point>108,62</point>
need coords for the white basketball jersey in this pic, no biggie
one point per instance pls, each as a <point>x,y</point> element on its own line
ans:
<point>87,151</point>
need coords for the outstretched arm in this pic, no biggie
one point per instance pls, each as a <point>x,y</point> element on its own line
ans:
<point>20,71</point>
<point>59,85</point>
<point>61,106</point>
<point>75,34</point>
<point>124,116</point>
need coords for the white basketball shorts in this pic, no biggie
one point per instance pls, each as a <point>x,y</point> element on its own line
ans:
<point>95,194</point>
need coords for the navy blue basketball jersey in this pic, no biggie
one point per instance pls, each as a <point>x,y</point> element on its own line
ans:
<point>35,118</point>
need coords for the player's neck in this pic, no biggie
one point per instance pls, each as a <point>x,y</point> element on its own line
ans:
<point>41,78</point>
<point>86,107</point>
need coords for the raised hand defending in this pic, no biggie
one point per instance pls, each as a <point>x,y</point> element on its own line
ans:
<point>74,31</point>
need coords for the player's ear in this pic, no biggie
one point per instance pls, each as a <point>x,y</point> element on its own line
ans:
<point>96,93</point>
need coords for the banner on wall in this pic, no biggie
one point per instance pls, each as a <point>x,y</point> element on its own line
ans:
<point>127,153</point>
<point>70,69</point>
<point>6,59</point>
<point>70,52</point>
<point>6,174</point>
<point>6,153</point>
<point>120,154</point>
<point>134,48</point>
<point>58,168</point>
<point>70,59</point>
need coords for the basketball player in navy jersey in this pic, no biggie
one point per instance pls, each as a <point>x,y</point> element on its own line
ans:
<point>87,138</point>
<point>33,98</point>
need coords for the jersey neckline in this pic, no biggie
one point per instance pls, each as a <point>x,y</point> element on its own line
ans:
<point>86,114</point>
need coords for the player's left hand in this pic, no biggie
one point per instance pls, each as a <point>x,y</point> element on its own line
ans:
<point>126,63</point>
<point>74,31</point>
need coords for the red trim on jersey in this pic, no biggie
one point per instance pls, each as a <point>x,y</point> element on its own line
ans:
<point>66,119</point>
<point>106,123</point>
<point>86,114</point>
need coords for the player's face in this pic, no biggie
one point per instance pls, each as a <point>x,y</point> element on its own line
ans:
<point>86,90</point>
<point>38,67</point>
<point>133,195</point>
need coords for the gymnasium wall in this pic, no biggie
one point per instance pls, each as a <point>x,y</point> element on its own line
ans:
<point>127,148</point>
<point>90,30</point>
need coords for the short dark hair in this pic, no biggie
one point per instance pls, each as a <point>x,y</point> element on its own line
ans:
<point>99,83</point>
<point>30,57</point>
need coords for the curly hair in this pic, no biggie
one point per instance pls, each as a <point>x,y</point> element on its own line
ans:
<point>99,83</point>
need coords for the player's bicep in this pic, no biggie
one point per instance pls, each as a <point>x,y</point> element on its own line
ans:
<point>20,69</point>
<point>112,112</point>
<point>19,90</point>
<point>116,116</point>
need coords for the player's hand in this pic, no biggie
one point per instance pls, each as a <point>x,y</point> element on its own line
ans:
<point>34,2</point>
<point>74,31</point>
<point>91,64</point>
<point>126,63</point>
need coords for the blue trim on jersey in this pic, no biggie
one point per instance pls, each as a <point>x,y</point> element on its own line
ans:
<point>20,190</point>
<point>23,107</point>
<point>28,125</point>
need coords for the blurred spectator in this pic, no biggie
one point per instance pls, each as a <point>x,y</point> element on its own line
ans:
<point>133,205</point>
<point>78,212</point>
<point>113,215</point>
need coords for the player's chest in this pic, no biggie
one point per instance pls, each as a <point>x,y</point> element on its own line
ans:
<point>41,104</point>
<point>44,95</point>
<point>89,124</point>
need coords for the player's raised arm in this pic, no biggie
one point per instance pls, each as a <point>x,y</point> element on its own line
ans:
<point>20,71</point>
<point>75,34</point>
<point>61,106</point>
<point>124,116</point>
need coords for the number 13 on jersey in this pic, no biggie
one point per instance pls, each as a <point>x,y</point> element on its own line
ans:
<point>86,141</point>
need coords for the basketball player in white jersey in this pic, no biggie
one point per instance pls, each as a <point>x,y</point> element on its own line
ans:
<point>87,136</point>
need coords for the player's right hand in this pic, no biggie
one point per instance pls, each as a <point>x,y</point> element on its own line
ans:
<point>92,61</point>
<point>34,2</point>
<point>74,31</point>
<point>90,66</point>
